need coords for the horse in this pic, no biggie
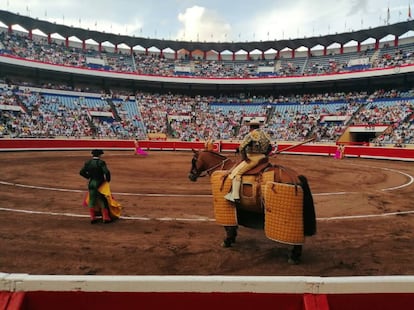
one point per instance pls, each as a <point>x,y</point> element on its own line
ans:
<point>252,211</point>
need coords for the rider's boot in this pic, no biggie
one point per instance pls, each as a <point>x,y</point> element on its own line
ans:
<point>234,195</point>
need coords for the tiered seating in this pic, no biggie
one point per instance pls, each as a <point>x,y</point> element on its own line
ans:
<point>19,45</point>
<point>292,66</point>
<point>132,124</point>
<point>294,118</point>
<point>243,109</point>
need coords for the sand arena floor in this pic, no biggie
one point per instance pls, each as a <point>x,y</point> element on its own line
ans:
<point>364,212</point>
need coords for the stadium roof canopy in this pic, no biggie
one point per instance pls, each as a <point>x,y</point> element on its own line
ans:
<point>46,27</point>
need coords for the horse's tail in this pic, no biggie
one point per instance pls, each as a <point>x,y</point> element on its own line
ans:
<point>309,217</point>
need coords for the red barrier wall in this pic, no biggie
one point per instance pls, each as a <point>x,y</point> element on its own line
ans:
<point>12,300</point>
<point>44,300</point>
<point>307,149</point>
<point>173,300</point>
<point>372,301</point>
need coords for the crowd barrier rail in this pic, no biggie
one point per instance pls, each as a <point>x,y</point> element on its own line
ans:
<point>23,291</point>
<point>362,151</point>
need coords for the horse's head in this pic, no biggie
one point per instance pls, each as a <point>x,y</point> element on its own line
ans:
<point>205,162</point>
<point>196,166</point>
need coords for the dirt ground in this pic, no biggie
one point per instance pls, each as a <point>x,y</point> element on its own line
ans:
<point>364,215</point>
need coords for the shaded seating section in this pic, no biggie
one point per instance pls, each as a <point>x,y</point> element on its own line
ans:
<point>131,124</point>
<point>390,55</point>
<point>396,113</point>
<point>292,66</point>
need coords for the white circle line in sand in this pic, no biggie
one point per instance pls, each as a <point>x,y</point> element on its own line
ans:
<point>410,181</point>
<point>410,178</point>
<point>202,219</point>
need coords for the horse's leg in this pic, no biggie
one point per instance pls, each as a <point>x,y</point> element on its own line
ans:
<point>231,234</point>
<point>295,254</point>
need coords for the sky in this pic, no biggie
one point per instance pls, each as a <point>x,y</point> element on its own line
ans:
<point>216,20</point>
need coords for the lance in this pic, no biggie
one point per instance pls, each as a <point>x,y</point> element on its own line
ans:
<point>293,146</point>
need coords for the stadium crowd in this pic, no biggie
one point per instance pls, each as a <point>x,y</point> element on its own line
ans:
<point>33,112</point>
<point>18,44</point>
<point>28,111</point>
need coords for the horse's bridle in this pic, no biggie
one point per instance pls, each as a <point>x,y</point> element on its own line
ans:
<point>212,169</point>
<point>195,173</point>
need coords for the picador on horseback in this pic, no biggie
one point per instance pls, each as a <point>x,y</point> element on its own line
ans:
<point>258,194</point>
<point>254,148</point>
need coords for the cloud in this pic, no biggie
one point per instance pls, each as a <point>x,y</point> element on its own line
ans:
<point>304,18</point>
<point>201,24</point>
<point>357,6</point>
<point>280,23</point>
<point>216,20</point>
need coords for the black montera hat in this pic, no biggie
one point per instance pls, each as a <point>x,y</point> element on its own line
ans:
<point>97,152</point>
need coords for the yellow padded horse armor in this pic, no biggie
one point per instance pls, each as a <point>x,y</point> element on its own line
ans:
<point>281,203</point>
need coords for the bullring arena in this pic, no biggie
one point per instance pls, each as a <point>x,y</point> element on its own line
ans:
<point>363,207</point>
<point>167,228</point>
<point>165,251</point>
